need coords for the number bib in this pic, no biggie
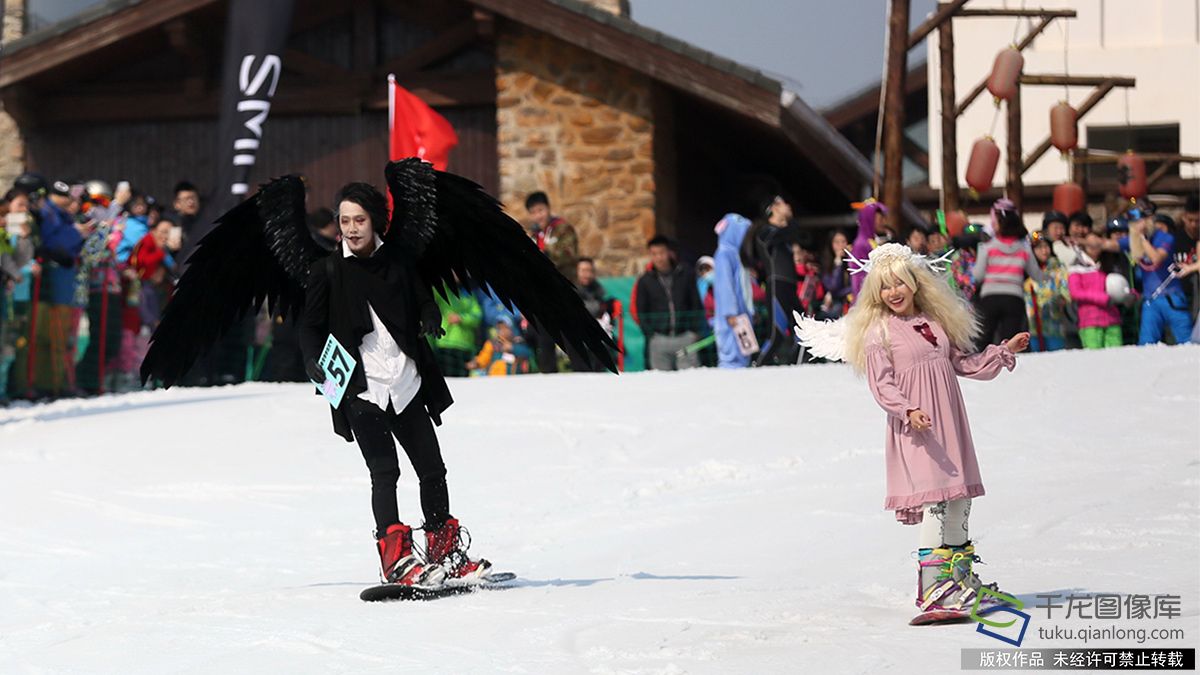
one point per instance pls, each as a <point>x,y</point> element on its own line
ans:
<point>338,365</point>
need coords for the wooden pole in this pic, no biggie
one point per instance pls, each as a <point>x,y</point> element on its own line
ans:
<point>893,112</point>
<point>1014,187</point>
<point>949,118</point>
<point>1079,169</point>
<point>942,15</point>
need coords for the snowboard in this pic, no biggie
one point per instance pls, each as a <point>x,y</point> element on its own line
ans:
<point>950,616</point>
<point>383,592</point>
<point>940,616</point>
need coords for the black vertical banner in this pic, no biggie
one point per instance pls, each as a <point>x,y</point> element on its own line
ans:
<point>255,36</point>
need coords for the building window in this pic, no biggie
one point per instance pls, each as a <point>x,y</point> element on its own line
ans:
<point>40,14</point>
<point>1156,138</point>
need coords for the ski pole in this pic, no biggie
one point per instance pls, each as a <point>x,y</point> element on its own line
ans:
<point>696,346</point>
<point>31,353</point>
<point>103,333</point>
<point>1174,269</point>
<point>1037,321</point>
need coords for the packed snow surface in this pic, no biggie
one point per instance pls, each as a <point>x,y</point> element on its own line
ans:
<point>697,522</point>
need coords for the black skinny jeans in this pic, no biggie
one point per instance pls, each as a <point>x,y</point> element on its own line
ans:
<point>1001,317</point>
<point>374,430</point>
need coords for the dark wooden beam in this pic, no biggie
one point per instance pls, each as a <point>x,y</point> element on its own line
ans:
<point>1086,156</point>
<point>1027,13</point>
<point>800,124</point>
<point>315,68</point>
<point>485,23</point>
<point>1079,169</point>
<point>438,48</point>
<point>184,37</point>
<point>1079,80</point>
<point>1160,172</point>
<point>926,197</point>
<point>1025,42</point>
<point>893,112</point>
<point>366,35</point>
<point>1013,184</point>
<point>866,103</point>
<point>757,100</point>
<point>345,98</point>
<point>1083,109</point>
<point>318,14</point>
<point>916,153</point>
<point>82,40</point>
<point>941,16</point>
<point>948,118</point>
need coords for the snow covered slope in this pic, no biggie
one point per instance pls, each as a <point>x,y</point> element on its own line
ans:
<point>699,522</point>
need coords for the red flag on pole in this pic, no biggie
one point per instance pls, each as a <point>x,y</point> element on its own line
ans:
<point>416,130</point>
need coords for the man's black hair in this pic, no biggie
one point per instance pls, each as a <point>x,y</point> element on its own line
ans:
<point>1054,217</point>
<point>659,240</point>
<point>1192,205</point>
<point>1082,218</point>
<point>371,200</point>
<point>535,198</point>
<point>184,186</point>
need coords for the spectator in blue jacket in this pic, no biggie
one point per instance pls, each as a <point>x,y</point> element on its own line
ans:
<point>1165,305</point>
<point>731,290</point>
<point>62,238</point>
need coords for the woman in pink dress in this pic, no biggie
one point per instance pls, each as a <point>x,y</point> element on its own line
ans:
<point>912,336</point>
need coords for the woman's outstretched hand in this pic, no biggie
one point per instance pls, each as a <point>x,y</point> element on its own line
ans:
<point>1018,343</point>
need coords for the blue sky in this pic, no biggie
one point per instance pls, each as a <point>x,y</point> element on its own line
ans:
<point>825,50</point>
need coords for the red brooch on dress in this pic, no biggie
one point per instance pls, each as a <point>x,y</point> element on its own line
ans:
<point>927,333</point>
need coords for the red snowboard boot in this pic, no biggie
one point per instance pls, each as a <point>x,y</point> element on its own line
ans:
<point>444,549</point>
<point>397,563</point>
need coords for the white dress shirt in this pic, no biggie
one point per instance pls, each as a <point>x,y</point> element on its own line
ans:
<point>391,375</point>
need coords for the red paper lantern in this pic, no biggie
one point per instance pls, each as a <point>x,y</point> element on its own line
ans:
<point>985,155</point>
<point>1069,198</point>
<point>1006,73</point>
<point>955,222</point>
<point>1131,175</point>
<point>1063,133</point>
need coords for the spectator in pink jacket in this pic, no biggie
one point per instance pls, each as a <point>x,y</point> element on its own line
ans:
<point>1099,318</point>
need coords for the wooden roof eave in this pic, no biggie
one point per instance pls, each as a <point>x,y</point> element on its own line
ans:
<point>648,52</point>
<point>810,131</point>
<point>121,19</point>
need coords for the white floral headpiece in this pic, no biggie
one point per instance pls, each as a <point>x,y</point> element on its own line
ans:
<point>900,252</point>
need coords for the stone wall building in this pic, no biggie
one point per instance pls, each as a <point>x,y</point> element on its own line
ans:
<point>582,131</point>
<point>630,132</point>
<point>12,153</point>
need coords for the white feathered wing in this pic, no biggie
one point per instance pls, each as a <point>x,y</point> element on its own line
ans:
<point>826,339</point>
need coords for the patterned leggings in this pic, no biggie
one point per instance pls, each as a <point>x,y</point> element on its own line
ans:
<point>946,523</point>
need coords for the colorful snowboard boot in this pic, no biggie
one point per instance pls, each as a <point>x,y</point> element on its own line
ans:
<point>397,563</point>
<point>946,581</point>
<point>445,550</point>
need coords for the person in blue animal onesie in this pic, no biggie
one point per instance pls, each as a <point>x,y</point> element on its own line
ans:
<point>731,290</point>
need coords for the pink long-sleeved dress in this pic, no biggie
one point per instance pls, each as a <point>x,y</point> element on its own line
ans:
<point>916,366</point>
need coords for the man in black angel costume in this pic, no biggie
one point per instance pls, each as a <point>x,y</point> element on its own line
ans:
<point>374,294</point>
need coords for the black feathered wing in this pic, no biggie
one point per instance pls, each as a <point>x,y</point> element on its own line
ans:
<point>459,233</point>
<point>259,251</point>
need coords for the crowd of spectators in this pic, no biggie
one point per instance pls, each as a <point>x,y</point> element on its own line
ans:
<point>1072,283</point>
<point>87,269</point>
